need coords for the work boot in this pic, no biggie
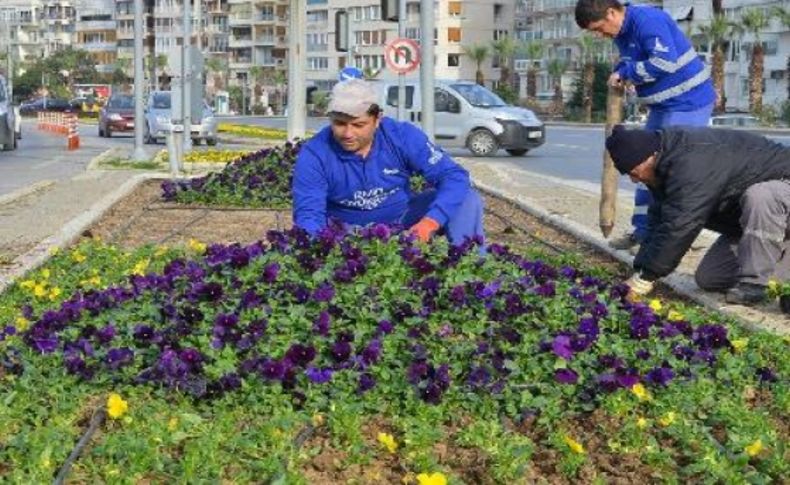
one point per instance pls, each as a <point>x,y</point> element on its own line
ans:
<point>745,294</point>
<point>626,242</point>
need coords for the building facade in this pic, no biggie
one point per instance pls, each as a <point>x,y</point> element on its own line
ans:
<point>96,32</point>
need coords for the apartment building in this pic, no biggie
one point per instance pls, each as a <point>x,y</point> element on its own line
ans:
<point>20,30</point>
<point>96,32</point>
<point>58,19</point>
<point>691,14</point>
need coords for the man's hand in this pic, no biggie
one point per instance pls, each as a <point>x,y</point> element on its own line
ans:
<point>615,80</point>
<point>639,286</point>
<point>425,229</point>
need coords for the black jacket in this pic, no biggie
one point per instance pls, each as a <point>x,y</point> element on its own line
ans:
<point>702,174</point>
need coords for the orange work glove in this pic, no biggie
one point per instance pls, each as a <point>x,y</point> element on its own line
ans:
<point>425,229</point>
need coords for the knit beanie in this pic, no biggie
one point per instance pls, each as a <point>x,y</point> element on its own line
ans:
<point>629,148</point>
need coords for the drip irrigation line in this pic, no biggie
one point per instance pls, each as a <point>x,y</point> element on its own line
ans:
<point>96,420</point>
<point>522,229</point>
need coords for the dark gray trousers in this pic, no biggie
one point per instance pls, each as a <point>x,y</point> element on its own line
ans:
<point>763,252</point>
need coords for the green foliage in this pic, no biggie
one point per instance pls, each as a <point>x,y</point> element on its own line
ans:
<point>507,93</point>
<point>602,71</point>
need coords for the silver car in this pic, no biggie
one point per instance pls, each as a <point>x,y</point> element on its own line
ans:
<point>158,124</point>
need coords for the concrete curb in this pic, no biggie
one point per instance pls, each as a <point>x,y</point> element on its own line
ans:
<point>105,155</point>
<point>683,285</point>
<point>25,191</point>
<point>69,232</point>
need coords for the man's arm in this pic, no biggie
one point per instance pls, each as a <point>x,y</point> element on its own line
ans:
<point>690,200</point>
<point>663,56</point>
<point>451,180</point>
<point>310,191</point>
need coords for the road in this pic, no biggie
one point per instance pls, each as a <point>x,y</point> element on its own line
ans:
<point>571,154</point>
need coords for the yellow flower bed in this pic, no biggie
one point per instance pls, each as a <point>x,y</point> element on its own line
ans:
<point>211,155</point>
<point>253,131</point>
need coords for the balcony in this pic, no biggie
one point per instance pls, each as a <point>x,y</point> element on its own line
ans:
<point>265,61</point>
<point>240,19</point>
<point>264,18</point>
<point>92,25</point>
<point>265,40</point>
<point>235,42</point>
<point>317,47</point>
<point>240,63</point>
<point>99,46</point>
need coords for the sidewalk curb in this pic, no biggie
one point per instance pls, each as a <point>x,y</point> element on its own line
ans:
<point>69,232</point>
<point>106,154</point>
<point>680,284</point>
<point>25,191</point>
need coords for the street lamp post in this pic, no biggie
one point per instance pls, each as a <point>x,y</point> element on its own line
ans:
<point>139,80</point>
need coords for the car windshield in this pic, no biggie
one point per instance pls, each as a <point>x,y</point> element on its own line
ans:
<point>122,102</point>
<point>478,96</point>
<point>162,101</point>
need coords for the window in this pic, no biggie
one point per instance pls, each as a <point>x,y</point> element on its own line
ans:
<point>498,11</point>
<point>453,60</point>
<point>454,35</point>
<point>317,63</point>
<point>445,102</point>
<point>392,96</point>
<point>454,9</point>
<point>413,33</point>
<point>500,34</point>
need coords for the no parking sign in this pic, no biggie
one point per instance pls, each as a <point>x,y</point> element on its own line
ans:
<point>402,55</point>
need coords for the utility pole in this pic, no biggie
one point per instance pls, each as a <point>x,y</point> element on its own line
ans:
<point>139,80</point>
<point>186,77</point>
<point>401,76</point>
<point>427,74</point>
<point>296,67</point>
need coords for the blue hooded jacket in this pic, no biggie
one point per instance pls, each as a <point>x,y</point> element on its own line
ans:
<point>663,65</point>
<point>330,182</point>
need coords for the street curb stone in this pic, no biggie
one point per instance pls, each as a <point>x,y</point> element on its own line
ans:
<point>25,191</point>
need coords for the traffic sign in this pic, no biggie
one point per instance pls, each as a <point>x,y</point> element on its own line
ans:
<point>402,55</point>
<point>350,72</point>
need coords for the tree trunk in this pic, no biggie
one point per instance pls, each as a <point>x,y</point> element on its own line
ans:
<point>718,8</point>
<point>718,78</point>
<point>588,78</point>
<point>504,76</point>
<point>609,177</point>
<point>756,79</point>
<point>479,79</point>
<point>532,84</point>
<point>558,102</point>
<point>788,81</point>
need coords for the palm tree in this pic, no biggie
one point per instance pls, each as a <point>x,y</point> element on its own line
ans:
<point>477,53</point>
<point>556,69</point>
<point>159,65</point>
<point>216,66</point>
<point>279,79</point>
<point>716,34</point>
<point>784,17</point>
<point>755,21</point>
<point>590,47</point>
<point>718,7</point>
<point>504,48</point>
<point>533,50</point>
<point>256,72</point>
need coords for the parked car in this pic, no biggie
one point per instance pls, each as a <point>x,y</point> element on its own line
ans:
<point>9,121</point>
<point>469,115</point>
<point>158,116</point>
<point>117,115</point>
<point>730,120</point>
<point>44,104</point>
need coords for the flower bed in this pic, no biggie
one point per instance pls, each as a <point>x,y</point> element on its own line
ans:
<point>253,131</point>
<point>211,155</point>
<point>256,179</point>
<point>383,359</point>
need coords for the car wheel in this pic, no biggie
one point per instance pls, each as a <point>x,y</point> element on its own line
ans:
<point>147,136</point>
<point>211,142</point>
<point>108,133</point>
<point>482,143</point>
<point>196,141</point>
<point>101,132</point>
<point>10,145</point>
<point>517,152</point>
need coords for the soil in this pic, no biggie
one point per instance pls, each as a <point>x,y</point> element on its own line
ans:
<point>142,217</point>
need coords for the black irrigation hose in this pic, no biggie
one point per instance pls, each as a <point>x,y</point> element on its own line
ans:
<point>96,420</point>
<point>203,214</point>
<point>524,230</point>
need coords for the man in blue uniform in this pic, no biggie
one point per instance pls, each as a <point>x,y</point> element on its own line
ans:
<point>357,170</point>
<point>658,59</point>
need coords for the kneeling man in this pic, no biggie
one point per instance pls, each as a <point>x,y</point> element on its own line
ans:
<point>357,170</point>
<point>732,182</point>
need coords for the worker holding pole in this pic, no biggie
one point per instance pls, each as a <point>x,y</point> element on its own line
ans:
<point>658,59</point>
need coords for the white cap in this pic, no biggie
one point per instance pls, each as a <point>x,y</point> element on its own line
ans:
<point>353,97</point>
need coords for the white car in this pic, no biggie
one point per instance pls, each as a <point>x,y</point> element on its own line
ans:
<point>733,120</point>
<point>158,115</point>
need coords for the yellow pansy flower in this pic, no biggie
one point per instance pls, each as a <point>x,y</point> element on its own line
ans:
<point>432,479</point>
<point>641,423</point>
<point>773,287</point>
<point>140,267</point>
<point>740,344</point>
<point>116,406</point>
<point>160,251</point>
<point>40,291</point>
<point>667,419</point>
<point>388,441</point>
<point>639,391</point>
<point>54,293</point>
<point>45,273</point>
<point>197,246</point>
<point>755,448</point>
<point>656,305</point>
<point>172,424</point>
<point>318,420</point>
<point>574,445</point>
<point>78,257</point>
<point>22,323</point>
<point>54,250</point>
<point>27,284</point>
<point>675,316</point>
